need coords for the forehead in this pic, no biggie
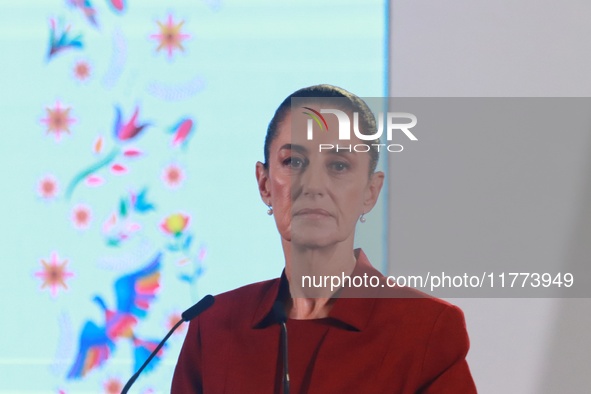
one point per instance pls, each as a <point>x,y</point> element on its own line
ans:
<point>309,124</point>
<point>292,135</point>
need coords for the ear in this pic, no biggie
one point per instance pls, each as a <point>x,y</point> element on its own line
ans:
<point>376,181</point>
<point>262,175</point>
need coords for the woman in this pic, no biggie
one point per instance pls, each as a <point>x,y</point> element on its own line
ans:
<point>369,339</point>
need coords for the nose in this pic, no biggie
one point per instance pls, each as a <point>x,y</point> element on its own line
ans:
<point>313,181</point>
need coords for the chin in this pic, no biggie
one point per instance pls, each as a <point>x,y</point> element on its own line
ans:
<point>313,241</point>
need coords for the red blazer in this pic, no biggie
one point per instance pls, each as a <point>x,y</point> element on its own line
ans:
<point>404,343</point>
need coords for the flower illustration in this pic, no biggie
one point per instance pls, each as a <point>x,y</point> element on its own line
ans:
<point>173,176</point>
<point>175,224</point>
<point>58,120</point>
<point>182,131</point>
<point>127,130</point>
<point>54,274</point>
<point>47,187</point>
<point>81,217</point>
<point>82,70</point>
<point>170,36</point>
<point>61,39</point>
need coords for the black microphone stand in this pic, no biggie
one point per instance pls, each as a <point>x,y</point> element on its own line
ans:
<point>279,312</point>
<point>187,315</point>
<point>152,355</point>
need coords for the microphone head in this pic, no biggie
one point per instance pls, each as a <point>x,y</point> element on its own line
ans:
<point>279,312</point>
<point>199,307</point>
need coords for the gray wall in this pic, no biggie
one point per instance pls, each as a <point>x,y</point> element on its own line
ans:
<point>503,48</point>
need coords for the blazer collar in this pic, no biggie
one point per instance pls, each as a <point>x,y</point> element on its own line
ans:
<point>352,308</point>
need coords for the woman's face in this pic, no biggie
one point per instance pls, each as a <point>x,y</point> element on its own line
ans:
<point>317,196</point>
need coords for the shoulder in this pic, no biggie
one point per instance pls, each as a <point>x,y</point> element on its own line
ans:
<point>418,311</point>
<point>238,305</point>
<point>411,297</point>
<point>250,292</point>
<point>433,331</point>
<point>396,302</point>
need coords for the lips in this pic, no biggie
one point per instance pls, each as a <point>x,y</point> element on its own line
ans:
<point>312,212</point>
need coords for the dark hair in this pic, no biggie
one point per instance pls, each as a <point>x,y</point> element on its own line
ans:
<point>367,121</point>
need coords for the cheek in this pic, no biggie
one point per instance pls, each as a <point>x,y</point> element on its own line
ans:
<point>354,197</point>
<point>281,191</point>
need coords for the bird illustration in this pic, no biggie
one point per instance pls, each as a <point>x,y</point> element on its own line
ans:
<point>60,39</point>
<point>86,7</point>
<point>182,131</point>
<point>129,130</point>
<point>134,293</point>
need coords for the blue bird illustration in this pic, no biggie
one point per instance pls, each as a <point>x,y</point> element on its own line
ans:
<point>134,293</point>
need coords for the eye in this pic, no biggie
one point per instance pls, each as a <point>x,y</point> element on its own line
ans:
<point>294,162</point>
<point>339,166</point>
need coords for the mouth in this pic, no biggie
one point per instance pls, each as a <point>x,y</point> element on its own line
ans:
<point>309,212</point>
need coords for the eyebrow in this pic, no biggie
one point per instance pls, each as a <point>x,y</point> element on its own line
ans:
<point>304,150</point>
<point>297,148</point>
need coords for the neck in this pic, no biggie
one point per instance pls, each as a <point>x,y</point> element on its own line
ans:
<point>309,272</point>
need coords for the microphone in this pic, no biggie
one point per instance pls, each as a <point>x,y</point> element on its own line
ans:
<point>187,315</point>
<point>281,317</point>
<point>196,309</point>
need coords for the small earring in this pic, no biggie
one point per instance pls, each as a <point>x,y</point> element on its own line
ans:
<point>362,218</point>
<point>270,210</point>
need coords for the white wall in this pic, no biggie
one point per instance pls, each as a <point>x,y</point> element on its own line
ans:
<point>508,49</point>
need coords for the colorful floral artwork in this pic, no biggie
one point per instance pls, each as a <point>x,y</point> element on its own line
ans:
<point>175,224</point>
<point>121,225</point>
<point>81,70</point>
<point>98,145</point>
<point>47,188</point>
<point>139,201</point>
<point>182,131</point>
<point>89,173</point>
<point>58,120</point>
<point>118,169</point>
<point>197,266</point>
<point>106,163</point>
<point>123,131</point>
<point>127,130</point>
<point>117,5</point>
<point>86,8</point>
<point>94,181</point>
<point>61,39</point>
<point>173,176</point>
<point>81,217</point>
<point>181,242</point>
<point>54,274</point>
<point>170,36</point>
